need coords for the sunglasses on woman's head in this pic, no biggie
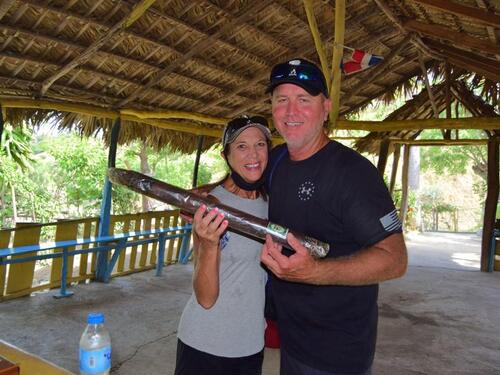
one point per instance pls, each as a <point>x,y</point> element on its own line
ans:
<point>240,122</point>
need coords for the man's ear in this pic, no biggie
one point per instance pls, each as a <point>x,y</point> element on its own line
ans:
<point>327,105</point>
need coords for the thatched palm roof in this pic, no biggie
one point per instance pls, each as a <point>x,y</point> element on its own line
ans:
<point>212,58</point>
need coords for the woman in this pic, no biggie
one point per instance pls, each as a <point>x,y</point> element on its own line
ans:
<point>222,327</point>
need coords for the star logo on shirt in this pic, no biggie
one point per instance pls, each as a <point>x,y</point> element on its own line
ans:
<point>306,190</point>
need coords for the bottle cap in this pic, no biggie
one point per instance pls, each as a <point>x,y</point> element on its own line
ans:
<point>95,318</point>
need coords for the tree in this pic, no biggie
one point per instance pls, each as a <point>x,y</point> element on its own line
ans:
<point>78,172</point>
<point>16,157</point>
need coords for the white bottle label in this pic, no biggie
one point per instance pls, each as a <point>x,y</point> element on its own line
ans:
<point>95,361</point>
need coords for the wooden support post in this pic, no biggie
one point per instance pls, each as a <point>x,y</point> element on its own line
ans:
<point>1,121</point>
<point>383,155</point>
<point>102,258</point>
<point>447,74</point>
<point>490,206</point>
<point>197,160</point>
<point>395,163</point>
<point>317,41</point>
<point>337,57</point>
<point>403,208</point>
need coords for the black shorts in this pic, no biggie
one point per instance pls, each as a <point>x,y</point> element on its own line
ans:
<point>191,361</point>
<point>291,366</point>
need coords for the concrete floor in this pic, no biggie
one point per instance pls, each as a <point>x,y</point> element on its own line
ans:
<point>442,317</point>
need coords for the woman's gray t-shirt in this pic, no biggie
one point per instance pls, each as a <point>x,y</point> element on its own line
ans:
<point>234,326</point>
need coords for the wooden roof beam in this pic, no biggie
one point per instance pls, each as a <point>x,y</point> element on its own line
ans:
<point>487,123</point>
<point>469,61</point>
<point>135,13</point>
<point>475,104</point>
<point>313,26</point>
<point>174,115</point>
<point>489,29</point>
<point>441,142</point>
<point>337,58</point>
<point>428,85</point>
<point>460,39</point>
<point>475,14</point>
<point>417,42</point>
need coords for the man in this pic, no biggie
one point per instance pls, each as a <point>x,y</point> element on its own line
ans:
<point>327,308</point>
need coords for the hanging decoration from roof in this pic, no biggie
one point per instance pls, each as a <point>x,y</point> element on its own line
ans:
<point>358,61</point>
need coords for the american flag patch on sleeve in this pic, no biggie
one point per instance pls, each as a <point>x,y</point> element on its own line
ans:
<point>391,221</point>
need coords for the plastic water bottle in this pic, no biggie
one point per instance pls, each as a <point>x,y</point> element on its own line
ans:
<point>95,347</point>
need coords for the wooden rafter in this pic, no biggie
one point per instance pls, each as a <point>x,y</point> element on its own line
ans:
<point>469,61</point>
<point>337,58</point>
<point>390,14</point>
<point>397,22</point>
<point>491,30</point>
<point>320,49</point>
<point>195,128</point>
<point>476,14</point>
<point>428,85</point>
<point>458,38</point>
<point>174,114</point>
<point>136,12</point>
<point>202,45</point>
<point>475,104</point>
<point>441,142</point>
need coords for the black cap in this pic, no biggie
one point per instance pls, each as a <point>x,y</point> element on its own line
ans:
<point>299,72</point>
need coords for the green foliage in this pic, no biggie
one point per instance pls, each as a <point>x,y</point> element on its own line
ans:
<point>15,144</point>
<point>78,170</point>
<point>454,160</point>
<point>16,160</point>
<point>70,172</point>
<point>174,167</point>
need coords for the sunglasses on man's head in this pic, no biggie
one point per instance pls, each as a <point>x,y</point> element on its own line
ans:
<point>303,73</point>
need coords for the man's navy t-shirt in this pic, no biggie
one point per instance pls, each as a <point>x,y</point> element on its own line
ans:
<point>339,197</point>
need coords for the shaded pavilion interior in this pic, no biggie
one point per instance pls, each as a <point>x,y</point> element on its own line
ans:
<point>173,72</point>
